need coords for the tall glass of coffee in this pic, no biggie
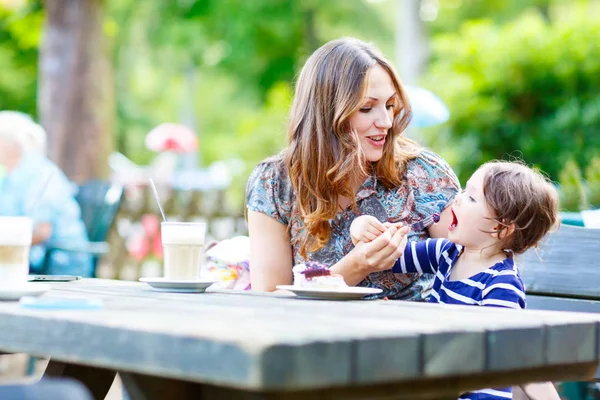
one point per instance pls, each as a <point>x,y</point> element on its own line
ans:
<point>183,247</point>
<point>15,243</point>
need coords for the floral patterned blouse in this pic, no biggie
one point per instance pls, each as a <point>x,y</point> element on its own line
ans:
<point>429,184</point>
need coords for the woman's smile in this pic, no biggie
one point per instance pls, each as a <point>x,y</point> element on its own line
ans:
<point>377,140</point>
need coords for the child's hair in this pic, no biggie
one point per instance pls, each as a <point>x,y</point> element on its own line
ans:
<point>523,197</point>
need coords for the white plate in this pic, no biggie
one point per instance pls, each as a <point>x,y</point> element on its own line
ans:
<point>344,293</point>
<point>25,289</point>
<point>179,286</point>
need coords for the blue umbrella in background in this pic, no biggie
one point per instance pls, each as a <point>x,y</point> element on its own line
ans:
<point>427,108</point>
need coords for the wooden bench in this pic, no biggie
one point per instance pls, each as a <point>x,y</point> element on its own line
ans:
<point>564,273</point>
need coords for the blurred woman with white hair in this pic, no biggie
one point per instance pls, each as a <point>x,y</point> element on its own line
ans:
<point>30,135</point>
<point>32,185</point>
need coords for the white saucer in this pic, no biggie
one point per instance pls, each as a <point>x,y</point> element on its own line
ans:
<point>24,289</point>
<point>179,286</point>
<point>343,293</point>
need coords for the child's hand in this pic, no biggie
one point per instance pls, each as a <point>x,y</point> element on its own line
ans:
<point>365,229</point>
<point>404,232</point>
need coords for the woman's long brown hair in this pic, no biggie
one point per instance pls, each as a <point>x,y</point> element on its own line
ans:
<point>324,156</point>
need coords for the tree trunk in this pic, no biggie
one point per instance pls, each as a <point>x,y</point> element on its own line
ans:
<point>412,46</point>
<point>75,97</point>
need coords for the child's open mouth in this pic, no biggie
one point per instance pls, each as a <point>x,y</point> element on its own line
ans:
<point>454,221</point>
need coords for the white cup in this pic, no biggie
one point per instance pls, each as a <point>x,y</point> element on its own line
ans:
<point>15,243</point>
<point>183,247</point>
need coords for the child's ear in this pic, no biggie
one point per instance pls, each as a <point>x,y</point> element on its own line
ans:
<point>503,231</point>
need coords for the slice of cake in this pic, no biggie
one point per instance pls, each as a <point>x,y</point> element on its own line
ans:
<point>315,275</point>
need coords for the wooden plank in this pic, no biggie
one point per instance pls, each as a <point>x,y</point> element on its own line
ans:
<point>221,347</point>
<point>538,302</point>
<point>195,353</point>
<point>502,352</point>
<point>454,338</point>
<point>434,344</point>
<point>396,358</point>
<point>563,259</point>
<point>277,343</point>
<point>566,336</point>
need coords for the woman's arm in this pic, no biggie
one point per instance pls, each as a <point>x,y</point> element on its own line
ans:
<point>270,253</point>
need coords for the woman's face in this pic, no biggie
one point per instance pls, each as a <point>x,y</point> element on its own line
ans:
<point>376,114</point>
<point>10,154</point>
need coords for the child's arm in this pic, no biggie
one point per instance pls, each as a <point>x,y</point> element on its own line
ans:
<point>365,228</point>
<point>504,290</point>
<point>421,257</point>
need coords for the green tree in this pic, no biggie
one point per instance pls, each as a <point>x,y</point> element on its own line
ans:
<point>592,176</point>
<point>19,39</point>
<point>572,191</point>
<point>236,52</point>
<point>529,87</point>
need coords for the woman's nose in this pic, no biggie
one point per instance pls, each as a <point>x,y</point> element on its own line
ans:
<point>384,120</point>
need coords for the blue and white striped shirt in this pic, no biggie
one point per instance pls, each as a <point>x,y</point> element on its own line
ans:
<point>498,286</point>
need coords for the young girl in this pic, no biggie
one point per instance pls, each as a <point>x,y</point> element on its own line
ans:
<point>505,209</point>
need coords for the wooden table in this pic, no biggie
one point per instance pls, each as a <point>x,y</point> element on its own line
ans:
<point>230,345</point>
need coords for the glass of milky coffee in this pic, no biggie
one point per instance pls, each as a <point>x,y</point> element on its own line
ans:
<point>15,243</point>
<point>183,247</point>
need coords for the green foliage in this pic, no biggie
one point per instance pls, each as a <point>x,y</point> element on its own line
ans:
<point>592,176</point>
<point>19,39</point>
<point>265,132</point>
<point>528,86</point>
<point>258,134</point>
<point>572,191</point>
<point>219,64</point>
<point>453,13</point>
<point>258,41</point>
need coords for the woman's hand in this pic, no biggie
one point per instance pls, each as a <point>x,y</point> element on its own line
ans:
<point>381,253</point>
<point>41,233</point>
<point>377,255</point>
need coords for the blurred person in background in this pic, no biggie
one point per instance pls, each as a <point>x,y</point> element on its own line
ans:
<point>32,185</point>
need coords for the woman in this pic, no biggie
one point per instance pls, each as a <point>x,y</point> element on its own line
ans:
<point>32,185</point>
<point>346,157</point>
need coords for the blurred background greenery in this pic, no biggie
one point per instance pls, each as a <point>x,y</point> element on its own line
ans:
<point>521,77</point>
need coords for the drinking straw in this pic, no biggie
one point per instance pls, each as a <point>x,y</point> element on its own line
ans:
<point>162,212</point>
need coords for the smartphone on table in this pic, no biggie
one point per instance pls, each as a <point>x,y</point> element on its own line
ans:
<point>53,278</point>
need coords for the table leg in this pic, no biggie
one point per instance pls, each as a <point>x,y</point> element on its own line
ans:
<point>143,387</point>
<point>97,380</point>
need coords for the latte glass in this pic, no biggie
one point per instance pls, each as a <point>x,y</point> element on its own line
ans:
<point>15,243</point>
<point>183,248</point>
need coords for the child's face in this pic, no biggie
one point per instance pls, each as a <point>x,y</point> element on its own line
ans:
<point>470,214</point>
